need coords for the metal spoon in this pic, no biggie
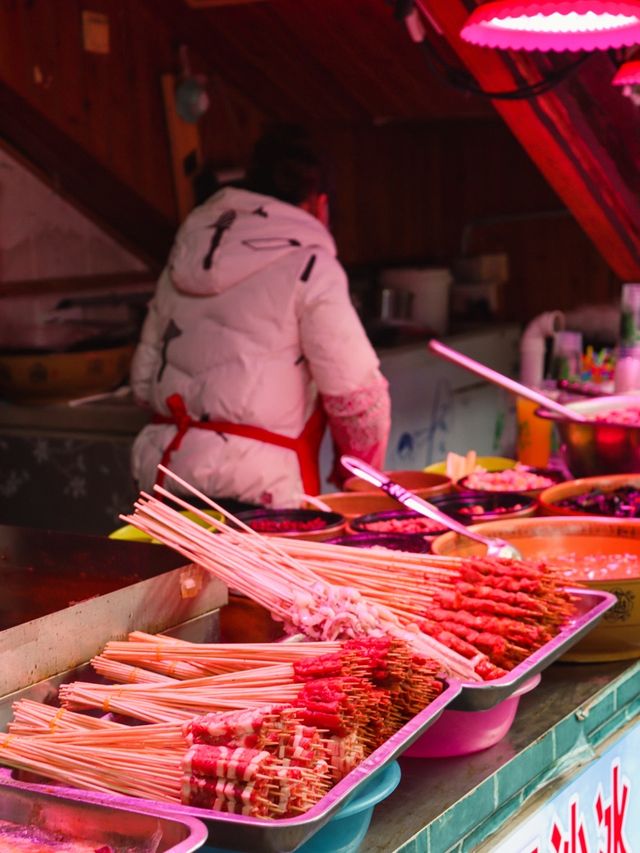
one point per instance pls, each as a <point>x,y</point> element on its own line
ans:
<point>495,547</point>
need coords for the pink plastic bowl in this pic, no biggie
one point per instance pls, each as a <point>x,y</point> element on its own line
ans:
<point>464,732</point>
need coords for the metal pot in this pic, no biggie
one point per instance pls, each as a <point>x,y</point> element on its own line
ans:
<point>594,447</point>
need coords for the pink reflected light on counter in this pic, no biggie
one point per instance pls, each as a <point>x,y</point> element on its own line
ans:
<point>554,24</point>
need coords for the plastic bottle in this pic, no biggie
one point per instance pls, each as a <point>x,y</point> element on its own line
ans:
<point>627,373</point>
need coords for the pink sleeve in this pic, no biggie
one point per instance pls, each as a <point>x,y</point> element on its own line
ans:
<point>359,422</point>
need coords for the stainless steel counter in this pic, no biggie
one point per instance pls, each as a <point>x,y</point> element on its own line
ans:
<point>113,416</point>
<point>449,804</point>
<point>121,416</point>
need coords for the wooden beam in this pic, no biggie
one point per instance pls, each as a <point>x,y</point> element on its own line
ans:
<point>558,132</point>
<point>75,174</point>
<point>186,155</point>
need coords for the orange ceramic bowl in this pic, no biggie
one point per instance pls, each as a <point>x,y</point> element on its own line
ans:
<point>352,504</point>
<point>583,546</point>
<point>466,483</point>
<point>423,483</point>
<point>550,498</point>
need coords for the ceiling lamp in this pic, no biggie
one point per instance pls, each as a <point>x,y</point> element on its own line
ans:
<point>559,25</point>
<point>628,74</point>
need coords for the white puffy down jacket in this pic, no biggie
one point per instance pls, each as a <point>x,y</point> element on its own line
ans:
<point>250,320</point>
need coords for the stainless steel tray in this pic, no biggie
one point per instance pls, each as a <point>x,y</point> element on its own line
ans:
<point>236,832</point>
<point>121,828</point>
<point>54,642</point>
<point>591,605</point>
<point>201,629</point>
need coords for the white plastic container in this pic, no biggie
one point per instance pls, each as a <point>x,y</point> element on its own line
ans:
<point>430,286</point>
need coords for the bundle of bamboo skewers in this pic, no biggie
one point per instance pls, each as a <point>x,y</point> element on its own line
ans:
<point>266,759</point>
<point>480,617</point>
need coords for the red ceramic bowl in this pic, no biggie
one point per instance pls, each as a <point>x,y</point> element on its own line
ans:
<point>294,523</point>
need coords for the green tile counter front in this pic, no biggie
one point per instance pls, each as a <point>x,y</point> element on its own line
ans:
<point>455,805</point>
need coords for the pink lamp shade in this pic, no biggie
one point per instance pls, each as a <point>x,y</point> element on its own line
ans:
<point>554,24</point>
<point>628,74</point>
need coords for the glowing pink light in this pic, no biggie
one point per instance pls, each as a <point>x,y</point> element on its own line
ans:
<point>560,25</point>
<point>628,74</point>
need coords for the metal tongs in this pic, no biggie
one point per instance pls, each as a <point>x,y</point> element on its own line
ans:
<point>495,547</point>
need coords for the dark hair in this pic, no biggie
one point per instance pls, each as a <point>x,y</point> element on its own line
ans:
<point>285,165</point>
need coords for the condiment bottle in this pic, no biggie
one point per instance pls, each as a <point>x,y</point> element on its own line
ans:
<point>627,372</point>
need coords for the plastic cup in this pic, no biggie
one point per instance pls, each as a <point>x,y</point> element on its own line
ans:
<point>534,435</point>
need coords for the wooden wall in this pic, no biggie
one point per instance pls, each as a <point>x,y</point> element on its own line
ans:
<point>404,190</point>
<point>108,104</point>
<point>414,192</point>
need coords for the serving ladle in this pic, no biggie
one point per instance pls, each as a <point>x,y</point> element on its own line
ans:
<point>503,381</point>
<point>495,547</point>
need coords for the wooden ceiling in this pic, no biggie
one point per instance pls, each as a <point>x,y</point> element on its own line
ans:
<point>353,62</point>
<point>331,61</point>
<point>320,60</point>
<point>95,123</point>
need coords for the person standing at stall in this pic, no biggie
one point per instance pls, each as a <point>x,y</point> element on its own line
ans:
<point>251,343</point>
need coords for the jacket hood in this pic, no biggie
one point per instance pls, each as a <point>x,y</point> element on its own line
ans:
<point>235,234</point>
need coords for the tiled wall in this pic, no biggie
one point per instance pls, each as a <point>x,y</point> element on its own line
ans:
<point>44,236</point>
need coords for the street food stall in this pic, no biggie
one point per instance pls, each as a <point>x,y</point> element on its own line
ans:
<point>442,655</point>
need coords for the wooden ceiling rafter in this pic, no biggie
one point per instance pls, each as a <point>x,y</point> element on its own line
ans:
<point>579,168</point>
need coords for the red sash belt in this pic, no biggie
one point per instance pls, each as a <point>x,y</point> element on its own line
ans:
<point>306,446</point>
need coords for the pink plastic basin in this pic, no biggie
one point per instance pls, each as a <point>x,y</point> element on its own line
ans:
<point>464,732</point>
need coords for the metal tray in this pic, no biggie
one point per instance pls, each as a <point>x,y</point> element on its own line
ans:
<point>591,605</point>
<point>100,824</point>
<point>201,629</point>
<point>236,832</point>
<point>65,595</point>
